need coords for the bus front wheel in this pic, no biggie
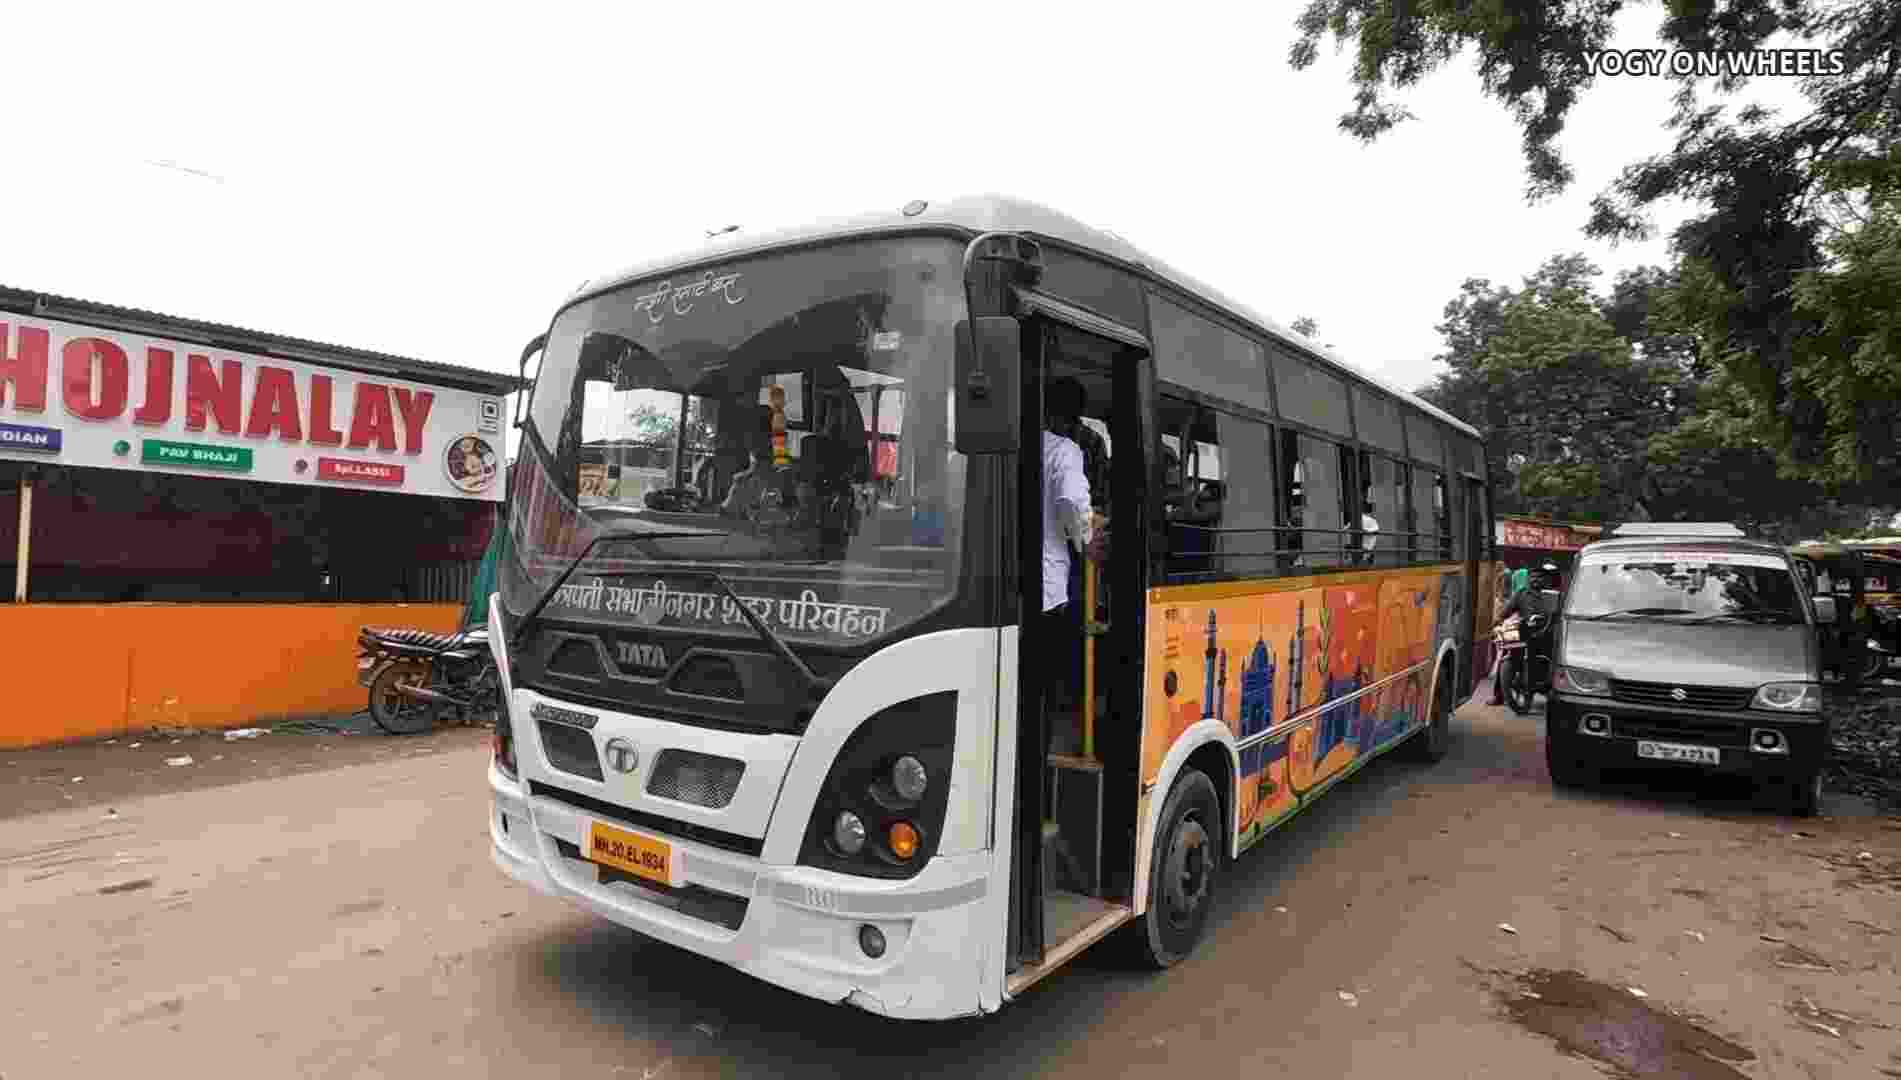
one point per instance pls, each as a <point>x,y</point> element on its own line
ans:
<point>1183,869</point>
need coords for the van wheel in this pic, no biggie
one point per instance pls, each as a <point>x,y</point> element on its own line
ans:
<point>1435,739</point>
<point>1567,770</point>
<point>1805,794</point>
<point>1183,869</point>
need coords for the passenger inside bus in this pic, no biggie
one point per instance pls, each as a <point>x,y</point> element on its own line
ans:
<point>1193,510</point>
<point>731,454</point>
<point>751,485</point>
<point>832,462</point>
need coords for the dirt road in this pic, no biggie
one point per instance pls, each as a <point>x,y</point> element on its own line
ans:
<point>347,923</point>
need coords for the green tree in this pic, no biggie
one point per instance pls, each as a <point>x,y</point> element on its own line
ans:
<point>1788,274</point>
<point>1565,401</point>
<point>1607,406</point>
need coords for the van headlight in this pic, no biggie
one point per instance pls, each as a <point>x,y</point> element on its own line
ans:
<point>1577,680</point>
<point>1789,697</point>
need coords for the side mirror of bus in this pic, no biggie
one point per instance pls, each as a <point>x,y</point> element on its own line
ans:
<point>535,345</point>
<point>988,373</point>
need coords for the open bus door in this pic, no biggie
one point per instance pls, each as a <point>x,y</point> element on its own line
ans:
<point>1079,745</point>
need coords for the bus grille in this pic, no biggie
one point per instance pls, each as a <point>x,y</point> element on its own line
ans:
<point>1694,697</point>
<point>570,749</point>
<point>691,777</point>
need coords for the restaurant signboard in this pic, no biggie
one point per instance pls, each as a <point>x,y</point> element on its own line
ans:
<point>82,395</point>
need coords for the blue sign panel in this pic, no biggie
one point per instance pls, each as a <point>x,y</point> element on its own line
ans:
<point>43,440</point>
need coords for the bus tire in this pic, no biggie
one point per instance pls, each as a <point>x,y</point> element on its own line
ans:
<point>1432,742</point>
<point>1183,871</point>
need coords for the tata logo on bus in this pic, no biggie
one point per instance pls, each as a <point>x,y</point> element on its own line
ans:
<point>642,654</point>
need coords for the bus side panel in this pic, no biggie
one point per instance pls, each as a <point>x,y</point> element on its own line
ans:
<point>1347,657</point>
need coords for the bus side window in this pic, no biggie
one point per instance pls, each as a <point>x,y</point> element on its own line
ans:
<point>1382,506</point>
<point>1442,515</point>
<point>1248,515</point>
<point>1311,489</point>
<point>1191,492</point>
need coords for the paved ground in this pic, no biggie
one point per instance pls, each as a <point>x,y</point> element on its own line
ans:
<point>346,922</point>
<point>110,772</point>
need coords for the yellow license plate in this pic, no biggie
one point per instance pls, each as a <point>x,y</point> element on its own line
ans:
<point>641,856</point>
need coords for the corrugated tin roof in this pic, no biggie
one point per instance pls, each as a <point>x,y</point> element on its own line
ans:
<point>239,339</point>
<point>1001,213</point>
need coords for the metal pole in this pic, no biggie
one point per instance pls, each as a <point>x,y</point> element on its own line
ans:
<point>26,540</point>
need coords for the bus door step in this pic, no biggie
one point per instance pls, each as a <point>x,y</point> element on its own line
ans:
<point>1072,841</point>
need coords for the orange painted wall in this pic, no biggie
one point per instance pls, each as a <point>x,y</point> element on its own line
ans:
<point>85,671</point>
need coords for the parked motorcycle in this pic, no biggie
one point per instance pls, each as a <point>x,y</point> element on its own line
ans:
<point>1525,672</point>
<point>417,679</point>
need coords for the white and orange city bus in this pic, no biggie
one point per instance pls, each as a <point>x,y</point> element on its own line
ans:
<point>774,559</point>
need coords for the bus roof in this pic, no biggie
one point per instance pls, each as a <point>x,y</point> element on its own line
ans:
<point>1002,213</point>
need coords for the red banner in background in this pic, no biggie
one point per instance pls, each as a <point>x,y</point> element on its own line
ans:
<point>1526,534</point>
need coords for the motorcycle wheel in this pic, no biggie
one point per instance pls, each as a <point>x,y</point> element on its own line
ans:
<point>1518,686</point>
<point>395,713</point>
<point>1877,664</point>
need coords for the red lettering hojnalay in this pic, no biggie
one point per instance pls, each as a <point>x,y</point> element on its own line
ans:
<point>95,383</point>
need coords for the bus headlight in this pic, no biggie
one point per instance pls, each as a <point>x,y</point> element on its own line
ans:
<point>909,778</point>
<point>848,833</point>
<point>881,809</point>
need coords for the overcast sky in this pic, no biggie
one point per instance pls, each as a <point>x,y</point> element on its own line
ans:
<point>432,185</point>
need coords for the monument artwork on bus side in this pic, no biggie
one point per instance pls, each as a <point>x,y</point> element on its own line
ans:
<point>114,399</point>
<point>1350,665</point>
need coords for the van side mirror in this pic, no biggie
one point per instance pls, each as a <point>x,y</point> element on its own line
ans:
<point>986,380</point>
<point>1825,610</point>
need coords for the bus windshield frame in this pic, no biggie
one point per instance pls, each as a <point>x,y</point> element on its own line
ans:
<point>718,406</point>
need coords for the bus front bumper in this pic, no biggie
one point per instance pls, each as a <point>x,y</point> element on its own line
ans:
<point>796,927</point>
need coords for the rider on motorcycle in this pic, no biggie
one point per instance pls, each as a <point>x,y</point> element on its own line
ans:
<point>1539,597</point>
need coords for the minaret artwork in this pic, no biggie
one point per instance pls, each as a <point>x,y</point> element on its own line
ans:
<point>1296,659</point>
<point>1208,672</point>
<point>1365,714</point>
<point>1221,690</point>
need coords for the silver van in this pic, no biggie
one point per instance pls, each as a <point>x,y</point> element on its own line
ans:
<point>1690,646</point>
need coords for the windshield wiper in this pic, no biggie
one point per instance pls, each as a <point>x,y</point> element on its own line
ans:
<point>588,549</point>
<point>1753,614</point>
<point>817,683</point>
<point>1634,611</point>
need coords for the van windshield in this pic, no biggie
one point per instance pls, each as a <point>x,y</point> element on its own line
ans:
<point>1684,585</point>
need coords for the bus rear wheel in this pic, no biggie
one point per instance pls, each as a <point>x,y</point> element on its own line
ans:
<point>1430,743</point>
<point>1183,870</point>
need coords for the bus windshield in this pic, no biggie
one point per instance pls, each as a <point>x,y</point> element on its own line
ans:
<point>781,422</point>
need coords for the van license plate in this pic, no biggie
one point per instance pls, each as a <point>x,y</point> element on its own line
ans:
<point>1665,751</point>
<point>641,856</point>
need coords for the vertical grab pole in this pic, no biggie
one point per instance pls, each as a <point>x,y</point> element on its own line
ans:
<point>1089,657</point>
